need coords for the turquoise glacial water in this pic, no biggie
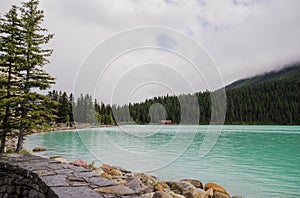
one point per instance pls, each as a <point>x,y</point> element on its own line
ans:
<point>253,161</point>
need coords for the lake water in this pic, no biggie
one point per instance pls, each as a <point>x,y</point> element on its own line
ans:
<point>253,161</point>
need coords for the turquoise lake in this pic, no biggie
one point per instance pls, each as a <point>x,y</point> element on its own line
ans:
<point>252,161</point>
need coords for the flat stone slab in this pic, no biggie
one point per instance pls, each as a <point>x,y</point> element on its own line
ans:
<point>57,180</point>
<point>118,190</point>
<point>44,172</point>
<point>100,181</point>
<point>74,192</point>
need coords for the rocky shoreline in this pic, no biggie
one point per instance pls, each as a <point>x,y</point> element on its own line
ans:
<point>149,186</point>
<point>143,184</point>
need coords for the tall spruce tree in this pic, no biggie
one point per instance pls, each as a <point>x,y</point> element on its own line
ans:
<point>71,104</point>
<point>64,109</point>
<point>10,48</point>
<point>35,57</point>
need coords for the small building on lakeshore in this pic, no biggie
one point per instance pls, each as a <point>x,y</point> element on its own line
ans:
<point>167,122</point>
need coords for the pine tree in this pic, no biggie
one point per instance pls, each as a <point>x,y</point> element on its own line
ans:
<point>10,41</point>
<point>71,105</point>
<point>64,109</point>
<point>33,74</point>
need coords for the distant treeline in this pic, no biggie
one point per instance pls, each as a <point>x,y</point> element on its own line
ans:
<point>83,110</point>
<point>272,102</point>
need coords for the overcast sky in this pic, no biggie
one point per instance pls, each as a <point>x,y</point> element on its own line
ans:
<point>239,38</point>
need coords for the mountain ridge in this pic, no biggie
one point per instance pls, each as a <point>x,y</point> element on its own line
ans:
<point>288,72</point>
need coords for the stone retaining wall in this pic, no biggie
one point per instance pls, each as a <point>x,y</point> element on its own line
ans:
<point>35,177</point>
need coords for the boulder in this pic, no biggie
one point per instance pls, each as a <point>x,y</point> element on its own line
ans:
<point>160,194</point>
<point>182,187</point>
<point>147,179</point>
<point>171,184</point>
<point>117,190</point>
<point>135,184</point>
<point>195,193</point>
<point>158,187</point>
<point>106,168</point>
<point>99,171</point>
<point>209,192</point>
<point>60,159</point>
<point>115,172</point>
<point>164,185</point>
<point>194,182</point>
<point>147,189</point>
<point>216,188</point>
<point>220,195</point>
<point>106,175</point>
<point>121,169</point>
<point>119,181</point>
<point>34,131</point>
<point>174,195</point>
<point>148,195</point>
<point>81,163</point>
<point>38,149</point>
<point>129,175</point>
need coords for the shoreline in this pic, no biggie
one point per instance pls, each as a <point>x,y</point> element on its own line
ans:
<point>183,175</point>
<point>31,175</point>
<point>150,186</point>
<point>12,140</point>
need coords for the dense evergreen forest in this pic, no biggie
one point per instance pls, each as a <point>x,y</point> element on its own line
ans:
<point>83,110</point>
<point>272,98</point>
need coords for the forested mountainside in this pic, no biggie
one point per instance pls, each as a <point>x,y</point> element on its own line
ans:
<point>287,73</point>
<point>271,98</point>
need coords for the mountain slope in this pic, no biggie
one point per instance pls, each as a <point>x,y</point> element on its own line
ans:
<point>271,98</point>
<point>287,73</point>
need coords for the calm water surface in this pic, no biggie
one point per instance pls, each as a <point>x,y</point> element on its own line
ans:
<point>253,161</point>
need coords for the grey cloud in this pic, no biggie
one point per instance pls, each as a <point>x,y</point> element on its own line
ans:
<point>166,41</point>
<point>243,37</point>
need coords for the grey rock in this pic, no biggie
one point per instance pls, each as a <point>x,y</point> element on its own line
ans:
<point>55,180</point>
<point>5,195</point>
<point>220,195</point>
<point>121,169</point>
<point>160,194</point>
<point>64,171</point>
<point>78,184</point>
<point>75,179</point>
<point>32,194</point>
<point>8,180</point>
<point>118,190</point>
<point>44,172</point>
<point>110,196</point>
<point>100,181</point>
<point>135,185</point>
<point>74,192</point>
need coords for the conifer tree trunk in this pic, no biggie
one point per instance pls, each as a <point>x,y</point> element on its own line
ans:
<point>21,133</point>
<point>6,114</point>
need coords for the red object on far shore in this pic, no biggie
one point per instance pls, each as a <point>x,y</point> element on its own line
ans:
<point>167,122</point>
